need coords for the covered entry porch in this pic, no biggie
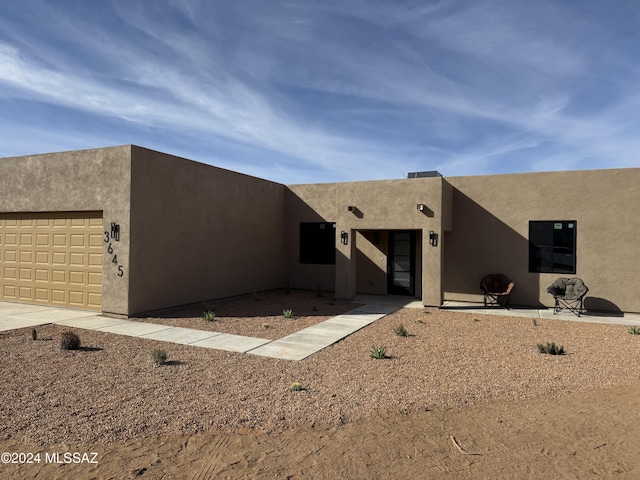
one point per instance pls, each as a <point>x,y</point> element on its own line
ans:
<point>393,262</point>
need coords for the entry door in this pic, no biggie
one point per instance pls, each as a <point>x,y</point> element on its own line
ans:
<point>401,268</point>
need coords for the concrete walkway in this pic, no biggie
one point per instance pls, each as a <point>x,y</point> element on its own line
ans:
<point>296,346</point>
<point>292,347</point>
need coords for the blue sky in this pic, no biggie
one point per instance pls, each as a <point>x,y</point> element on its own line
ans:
<point>302,92</point>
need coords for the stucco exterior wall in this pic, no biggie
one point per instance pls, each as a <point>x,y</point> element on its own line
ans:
<point>307,203</point>
<point>490,231</point>
<point>77,181</point>
<point>201,232</point>
<point>378,205</point>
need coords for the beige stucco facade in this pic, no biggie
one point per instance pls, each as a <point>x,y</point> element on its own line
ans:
<point>199,232</point>
<point>190,232</point>
<point>490,225</point>
<point>367,212</point>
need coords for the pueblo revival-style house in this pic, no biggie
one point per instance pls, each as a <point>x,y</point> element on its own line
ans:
<point>125,230</point>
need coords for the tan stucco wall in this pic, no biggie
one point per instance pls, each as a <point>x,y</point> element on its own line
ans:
<point>201,232</point>
<point>77,181</point>
<point>307,203</point>
<point>380,205</point>
<point>490,231</point>
<point>371,261</point>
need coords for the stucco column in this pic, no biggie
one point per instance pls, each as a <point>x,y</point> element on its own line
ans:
<point>431,269</point>
<point>345,264</point>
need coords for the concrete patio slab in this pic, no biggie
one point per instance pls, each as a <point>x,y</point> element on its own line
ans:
<point>630,319</point>
<point>231,343</point>
<point>185,336</point>
<point>398,301</point>
<point>373,309</point>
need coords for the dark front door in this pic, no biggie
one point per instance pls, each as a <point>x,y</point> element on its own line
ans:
<point>401,268</point>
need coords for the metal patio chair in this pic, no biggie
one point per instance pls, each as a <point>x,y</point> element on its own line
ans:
<point>497,289</point>
<point>569,295</point>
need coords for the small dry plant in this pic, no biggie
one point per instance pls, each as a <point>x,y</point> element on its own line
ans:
<point>296,387</point>
<point>69,341</point>
<point>633,330</point>
<point>550,348</point>
<point>209,316</point>
<point>400,331</point>
<point>287,313</point>
<point>159,357</point>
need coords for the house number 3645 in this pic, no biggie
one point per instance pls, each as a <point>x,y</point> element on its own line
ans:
<point>109,238</point>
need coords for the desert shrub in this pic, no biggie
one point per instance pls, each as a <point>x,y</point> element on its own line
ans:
<point>296,387</point>
<point>535,322</point>
<point>400,331</point>
<point>209,315</point>
<point>550,348</point>
<point>287,313</point>
<point>69,341</point>
<point>379,352</point>
<point>159,357</point>
<point>633,330</point>
<point>265,325</point>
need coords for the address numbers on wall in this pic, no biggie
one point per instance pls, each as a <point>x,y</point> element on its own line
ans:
<point>109,238</point>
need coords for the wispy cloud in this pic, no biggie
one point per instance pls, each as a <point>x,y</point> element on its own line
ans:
<point>331,91</point>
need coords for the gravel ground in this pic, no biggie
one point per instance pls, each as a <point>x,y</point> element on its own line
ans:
<point>110,391</point>
<point>259,315</point>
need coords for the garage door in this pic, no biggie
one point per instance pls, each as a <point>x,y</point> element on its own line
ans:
<point>52,259</point>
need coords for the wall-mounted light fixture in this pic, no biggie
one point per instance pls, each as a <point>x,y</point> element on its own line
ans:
<point>351,208</point>
<point>344,237</point>
<point>421,207</point>
<point>433,238</point>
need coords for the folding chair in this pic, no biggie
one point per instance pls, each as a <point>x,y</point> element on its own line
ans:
<point>497,289</point>
<point>569,295</point>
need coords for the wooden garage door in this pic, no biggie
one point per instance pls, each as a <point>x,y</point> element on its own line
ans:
<point>52,258</point>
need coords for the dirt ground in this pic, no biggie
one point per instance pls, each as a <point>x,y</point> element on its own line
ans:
<point>460,397</point>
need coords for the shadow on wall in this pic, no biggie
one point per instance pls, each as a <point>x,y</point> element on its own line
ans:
<point>371,262</point>
<point>479,244</point>
<point>601,306</point>
<point>297,275</point>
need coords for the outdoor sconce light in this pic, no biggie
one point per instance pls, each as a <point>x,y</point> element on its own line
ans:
<point>351,208</point>
<point>421,207</point>
<point>344,237</point>
<point>433,238</point>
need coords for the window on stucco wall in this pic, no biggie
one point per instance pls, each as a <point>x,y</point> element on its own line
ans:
<point>552,246</point>
<point>318,243</point>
